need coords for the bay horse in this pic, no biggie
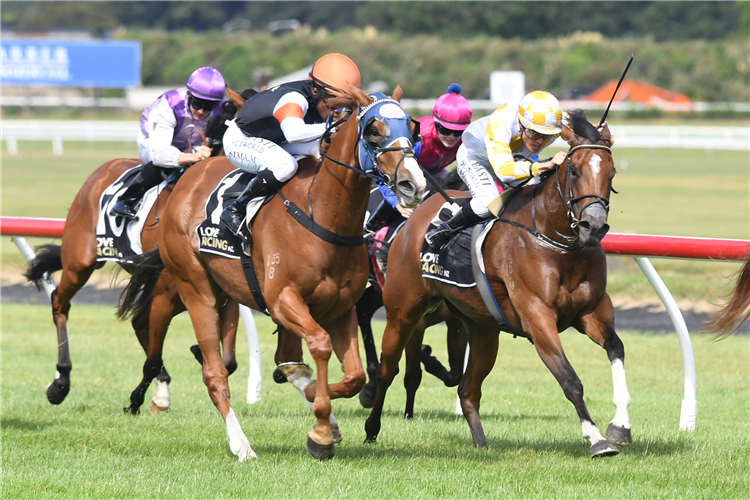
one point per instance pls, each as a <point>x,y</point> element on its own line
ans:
<point>77,256</point>
<point>310,282</point>
<point>416,352</point>
<point>547,271</point>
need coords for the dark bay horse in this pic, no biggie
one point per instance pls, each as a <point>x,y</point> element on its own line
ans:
<point>77,256</point>
<point>547,271</point>
<point>310,284</point>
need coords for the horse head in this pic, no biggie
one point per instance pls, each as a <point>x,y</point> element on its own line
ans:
<point>217,123</point>
<point>586,181</point>
<point>385,149</point>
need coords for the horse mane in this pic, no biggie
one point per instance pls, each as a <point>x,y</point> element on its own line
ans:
<point>581,126</point>
<point>350,98</point>
<point>216,125</point>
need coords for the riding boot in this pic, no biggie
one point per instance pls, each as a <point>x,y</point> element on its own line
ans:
<point>261,185</point>
<point>148,177</point>
<point>438,237</point>
<point>382,216</point>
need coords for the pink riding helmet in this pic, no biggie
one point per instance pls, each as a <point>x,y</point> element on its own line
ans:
<point>452,110</point>
<point>207,83</point>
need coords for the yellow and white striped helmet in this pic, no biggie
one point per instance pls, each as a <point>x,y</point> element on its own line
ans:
<point>540,111</point>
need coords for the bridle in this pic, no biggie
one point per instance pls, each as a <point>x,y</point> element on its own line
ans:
<point>568,198</point>
<point>369,152</point>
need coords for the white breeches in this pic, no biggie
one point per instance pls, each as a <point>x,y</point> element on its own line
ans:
<point>253,154</point>
<point>477,177</point>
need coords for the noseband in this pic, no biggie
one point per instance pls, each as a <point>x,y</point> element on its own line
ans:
<point>568,197</point>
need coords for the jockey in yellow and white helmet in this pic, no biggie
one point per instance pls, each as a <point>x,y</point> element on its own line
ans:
<point>507,143</point>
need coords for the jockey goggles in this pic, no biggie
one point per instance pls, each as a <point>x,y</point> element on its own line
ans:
<point>446,131</point>
<point>202,104</point>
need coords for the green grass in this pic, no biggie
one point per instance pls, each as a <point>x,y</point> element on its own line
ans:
<point>87,448</point>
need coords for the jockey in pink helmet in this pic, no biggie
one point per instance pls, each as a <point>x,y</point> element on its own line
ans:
<point>166,126</point>
<point>440,140</point>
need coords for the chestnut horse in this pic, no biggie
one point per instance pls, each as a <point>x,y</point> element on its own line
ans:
<point>310,282</point>
<point>77,258</point>
<point>547,271</point>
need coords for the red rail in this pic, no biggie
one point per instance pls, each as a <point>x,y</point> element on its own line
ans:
<point>614,243</point>
<point>27,226</point>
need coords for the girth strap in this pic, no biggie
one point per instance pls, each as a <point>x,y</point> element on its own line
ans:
<point>252,281</point>
<point>483,285</point>
<point>318,230</point>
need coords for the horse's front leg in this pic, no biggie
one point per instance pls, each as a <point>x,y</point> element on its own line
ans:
<point>599,325</point>
<point>413,370</point>
<point>541,323</point>
<point>482,357</point>
<point>292,312</point>
<point>402,318</point>
<point>371,301</point>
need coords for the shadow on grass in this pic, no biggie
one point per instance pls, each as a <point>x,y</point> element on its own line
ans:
<point>19,424</point>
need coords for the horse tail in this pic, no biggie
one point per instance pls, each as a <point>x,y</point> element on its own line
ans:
<point>728,320</point>
<point>47,261</point>
<point>136,297</point>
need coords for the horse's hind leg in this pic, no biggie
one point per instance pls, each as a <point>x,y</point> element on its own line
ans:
<point>371,301</point>
<point>599,326</point>
<point>229,314</point>
<point>413,371</point>
<point>75,274</point>
<point>457,339</point>
<point>151,328</point>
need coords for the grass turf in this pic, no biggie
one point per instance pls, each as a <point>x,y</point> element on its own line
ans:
<point>87,448</point>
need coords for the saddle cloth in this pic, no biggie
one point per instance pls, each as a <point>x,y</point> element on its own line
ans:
<point>214,237</point>
<point>452,263</point>
<point>118,238</point>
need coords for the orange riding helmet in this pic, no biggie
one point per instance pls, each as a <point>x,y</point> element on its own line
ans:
<point>335,72</point>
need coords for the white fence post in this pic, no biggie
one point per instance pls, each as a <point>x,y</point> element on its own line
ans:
<point>689,411</point>
<point>255,379</point>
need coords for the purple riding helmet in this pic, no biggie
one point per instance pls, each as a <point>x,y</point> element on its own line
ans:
<point>207,83</point>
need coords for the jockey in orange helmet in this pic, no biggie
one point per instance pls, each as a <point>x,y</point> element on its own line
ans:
<point>279,123</point>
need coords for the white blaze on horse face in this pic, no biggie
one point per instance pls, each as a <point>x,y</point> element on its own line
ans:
<point>621,398</point>
<point>595,163</point>
<point>238,442</point>
<point>412,166</point>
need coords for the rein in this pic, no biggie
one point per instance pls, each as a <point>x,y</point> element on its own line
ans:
<point>568,199</point>
<point>307,220</point>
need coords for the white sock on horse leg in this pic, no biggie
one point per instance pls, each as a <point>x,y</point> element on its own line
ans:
<point>300,380</point>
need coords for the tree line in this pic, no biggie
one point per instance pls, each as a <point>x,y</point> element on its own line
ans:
<point>678,20</point>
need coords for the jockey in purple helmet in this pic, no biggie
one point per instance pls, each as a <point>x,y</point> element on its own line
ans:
<point>440,139</point>
<point>166,126</point>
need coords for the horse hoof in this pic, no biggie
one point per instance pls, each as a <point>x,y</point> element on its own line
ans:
<point>320,451</point>
<point>619,435</point>
<point>155,408</point>
<point>603,449</point>
<point>337,437</point>
<point>366,397</point>
<point>56,393</point>
<point>131,410</point>
<point>371,440</point>
<point>284,370</point>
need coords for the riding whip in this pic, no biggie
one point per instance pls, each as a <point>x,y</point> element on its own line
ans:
<point>604,117</point>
